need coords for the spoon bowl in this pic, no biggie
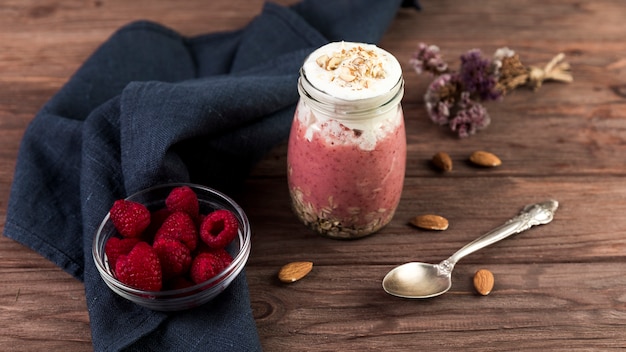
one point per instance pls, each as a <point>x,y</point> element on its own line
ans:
<point>423,280</point>
<point>416,280</point>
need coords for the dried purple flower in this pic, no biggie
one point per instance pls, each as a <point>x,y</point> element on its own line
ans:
<point>477,76</point>
<point>470,117</point>
<point>427,59</point>
<point>440,97</point>
<point>453,97</point>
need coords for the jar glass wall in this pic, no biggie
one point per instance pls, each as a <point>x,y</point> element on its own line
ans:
<point>347,147</point>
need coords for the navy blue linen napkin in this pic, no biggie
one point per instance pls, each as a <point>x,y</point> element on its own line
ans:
<point>151,106</point>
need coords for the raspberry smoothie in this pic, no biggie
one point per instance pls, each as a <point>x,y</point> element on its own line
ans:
<point>347,148</point>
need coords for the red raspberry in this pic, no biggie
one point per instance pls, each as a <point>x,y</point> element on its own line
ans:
<point>140,268</point>
<point>205,266</point>
<point>221,253</point>
<point>219,228</point>
<point>224,256</point>
<point>179,226</point>
<point>115,247</point>
<point>184,199</point>
<point>174,256</point>
<point>129,218</point>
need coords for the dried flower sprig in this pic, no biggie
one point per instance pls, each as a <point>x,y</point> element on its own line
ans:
<point>454,97</point>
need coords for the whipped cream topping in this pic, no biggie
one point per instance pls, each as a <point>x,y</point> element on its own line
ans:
<point>352,71</point>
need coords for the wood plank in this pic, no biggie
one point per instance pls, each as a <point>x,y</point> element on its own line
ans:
<point>43,308</point>
<point>589,225</point>
<point>533,306</point>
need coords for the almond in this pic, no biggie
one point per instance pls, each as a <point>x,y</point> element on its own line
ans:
<point>430,222</point>
<point>294,271</point>
<point>322,60</point>
<point>333,63</point>
<point>442,161</point>
<point>485,159</point>
<point>357,66</point>
<point>347,75</point>
<point>483,281</point>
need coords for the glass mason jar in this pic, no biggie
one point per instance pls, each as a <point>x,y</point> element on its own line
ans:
<point>347,146</point>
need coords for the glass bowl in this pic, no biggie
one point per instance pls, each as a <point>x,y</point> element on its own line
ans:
<point>185,298</point>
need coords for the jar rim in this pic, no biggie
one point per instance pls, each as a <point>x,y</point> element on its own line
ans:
<point>349,109</point>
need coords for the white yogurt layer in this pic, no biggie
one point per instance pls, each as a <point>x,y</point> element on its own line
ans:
<point>352,71</point>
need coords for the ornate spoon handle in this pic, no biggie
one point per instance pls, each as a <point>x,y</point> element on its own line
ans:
<point>531,215</point>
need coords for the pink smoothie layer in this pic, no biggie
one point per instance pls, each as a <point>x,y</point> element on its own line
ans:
<point>338,184</point>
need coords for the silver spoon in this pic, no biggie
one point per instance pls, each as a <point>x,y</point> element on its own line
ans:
<point>422,280</point>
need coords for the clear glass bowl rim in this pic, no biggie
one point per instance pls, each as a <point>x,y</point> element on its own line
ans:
<point>238,261</point>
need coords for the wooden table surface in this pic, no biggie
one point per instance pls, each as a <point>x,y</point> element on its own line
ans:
<point>558,287</point>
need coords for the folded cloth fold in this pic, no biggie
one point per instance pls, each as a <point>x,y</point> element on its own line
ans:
<point>151,106</point>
